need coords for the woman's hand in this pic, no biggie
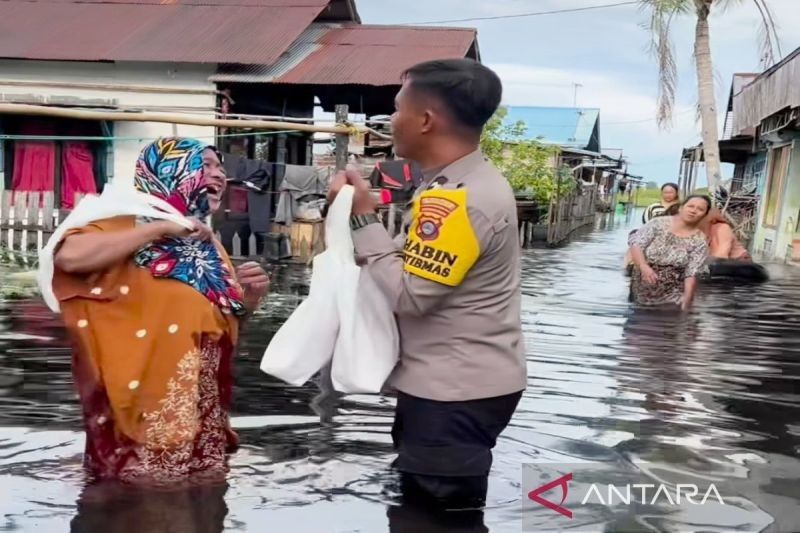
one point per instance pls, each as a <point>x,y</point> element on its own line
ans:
<point>649,275</point>
<point>689,288</point>
<point>166,228</point>
<point>254,282</point>
<point>201,232</point>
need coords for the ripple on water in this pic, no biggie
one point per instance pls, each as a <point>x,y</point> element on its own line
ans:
<point>711,394</point>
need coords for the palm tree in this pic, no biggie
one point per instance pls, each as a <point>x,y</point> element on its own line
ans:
<point>662,13</point>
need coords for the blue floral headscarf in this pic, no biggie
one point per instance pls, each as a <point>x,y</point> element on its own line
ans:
<point>172,169</point>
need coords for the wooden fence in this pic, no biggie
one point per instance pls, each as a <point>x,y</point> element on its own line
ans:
<point>27,220</point>
<point>568,213</point>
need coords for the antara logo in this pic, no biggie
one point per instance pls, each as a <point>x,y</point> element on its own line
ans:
<point>562,482</point>
<point>648,494</point>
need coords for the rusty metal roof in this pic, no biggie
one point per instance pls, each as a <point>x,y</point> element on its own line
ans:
<point>228,3</point>
<point>327,54</point>
<point>194,31</point>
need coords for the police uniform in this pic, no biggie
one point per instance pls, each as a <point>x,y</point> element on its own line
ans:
<point>453,279</point>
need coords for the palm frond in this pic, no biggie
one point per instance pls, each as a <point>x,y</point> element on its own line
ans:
<point>765,38</point>
<point>662,13</point>
<point>768,39</point>
<point>774,42</point>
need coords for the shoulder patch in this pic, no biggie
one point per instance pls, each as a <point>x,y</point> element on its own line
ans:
<point>441,245</point>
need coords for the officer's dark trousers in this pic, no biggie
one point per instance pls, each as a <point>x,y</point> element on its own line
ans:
<point>444,448</point>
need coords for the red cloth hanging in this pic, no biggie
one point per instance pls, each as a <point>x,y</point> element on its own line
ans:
<point>34,161</point>
<point>77,172</point>
<point>237,200</point>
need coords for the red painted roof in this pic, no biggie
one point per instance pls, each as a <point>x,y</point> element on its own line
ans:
<point>194,31</point>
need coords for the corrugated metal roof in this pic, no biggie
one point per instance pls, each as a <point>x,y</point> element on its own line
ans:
<point>260,3</point>
<point>740,80</point>
<point>564,126</point>
<point>773,90</point>
<point>356,54</point>
<point>294,55</point>
<point>251,32</point>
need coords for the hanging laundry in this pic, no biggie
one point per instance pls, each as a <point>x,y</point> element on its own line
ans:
<point>302,194</point>
<point>34,161</point>
<point>397,180</point>
<point>77,172</point>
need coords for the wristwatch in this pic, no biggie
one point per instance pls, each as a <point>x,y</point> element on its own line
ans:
<point>359,221</point>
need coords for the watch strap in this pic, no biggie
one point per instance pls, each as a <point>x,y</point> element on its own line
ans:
<point>359,221</point>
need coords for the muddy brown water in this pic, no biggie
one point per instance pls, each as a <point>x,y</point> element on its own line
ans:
<point>715,393</point>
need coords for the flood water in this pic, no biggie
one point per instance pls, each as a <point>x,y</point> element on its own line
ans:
<point>715,393</point>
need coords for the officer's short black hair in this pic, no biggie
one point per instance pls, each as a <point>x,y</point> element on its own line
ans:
<point>468,90</point>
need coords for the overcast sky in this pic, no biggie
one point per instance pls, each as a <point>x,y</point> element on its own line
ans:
<point>604,50</point>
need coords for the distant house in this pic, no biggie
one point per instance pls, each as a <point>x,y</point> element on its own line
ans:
<point>576,132</point>
<point>566,127</point>
<point>209,58</point>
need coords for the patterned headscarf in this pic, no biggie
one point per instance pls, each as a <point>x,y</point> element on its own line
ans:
<point>172,169</point>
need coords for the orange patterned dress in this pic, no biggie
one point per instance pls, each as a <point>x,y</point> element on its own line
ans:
<point>152,363</point>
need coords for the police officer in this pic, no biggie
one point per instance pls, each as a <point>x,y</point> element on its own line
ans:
<point>453,280</point>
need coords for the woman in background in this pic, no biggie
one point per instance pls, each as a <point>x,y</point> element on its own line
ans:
<point>728,258</point>
<point>722,242</point>
<point>668,205</point>
<point>668,253</point>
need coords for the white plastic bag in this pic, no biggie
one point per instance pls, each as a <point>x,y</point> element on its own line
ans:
<point>345,317</point>
<point>116,200</point>
<point>368,345</point>
<point>304,343</point>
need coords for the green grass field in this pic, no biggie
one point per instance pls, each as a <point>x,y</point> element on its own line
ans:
<point>645,197</point>
<point>650,196</point>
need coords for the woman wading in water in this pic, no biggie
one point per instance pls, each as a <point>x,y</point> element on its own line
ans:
<point>668,253</point>
<point>153,310</point>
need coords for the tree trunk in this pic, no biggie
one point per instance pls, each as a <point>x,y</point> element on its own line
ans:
<point>705,91</point>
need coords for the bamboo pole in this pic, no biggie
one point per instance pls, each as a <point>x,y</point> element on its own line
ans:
<point>107,87</point>
<point>170,118</point>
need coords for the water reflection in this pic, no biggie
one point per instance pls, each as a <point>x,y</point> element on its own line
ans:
<point>714,393</point>
<point>114,509</point>
<point>410,519</point>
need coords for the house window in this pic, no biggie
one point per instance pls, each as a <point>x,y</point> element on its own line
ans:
<point>754,173</point>
<point>51,155</point>
<point>779,164</point>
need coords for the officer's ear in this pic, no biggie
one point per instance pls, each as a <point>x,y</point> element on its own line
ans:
<point>428,120</point>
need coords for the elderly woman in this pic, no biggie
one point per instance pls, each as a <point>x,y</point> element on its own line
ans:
<point>153,311</point>
<point>669,253</point>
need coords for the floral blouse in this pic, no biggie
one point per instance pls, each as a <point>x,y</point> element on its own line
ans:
<point>673,258</point>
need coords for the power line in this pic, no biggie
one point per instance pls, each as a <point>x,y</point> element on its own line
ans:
<point>538,84</point>
<point>685,112</point>
<point>521,15</point>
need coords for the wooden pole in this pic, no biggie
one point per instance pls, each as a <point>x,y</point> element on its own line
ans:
<point>342,139</point>
<point>325,403</point>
